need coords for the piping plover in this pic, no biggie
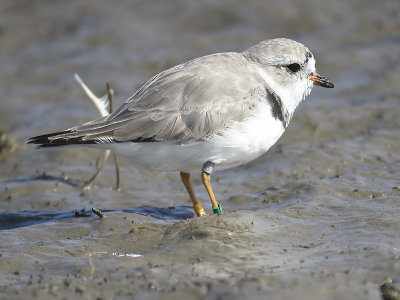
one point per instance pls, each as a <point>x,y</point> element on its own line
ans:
<point>211,113</point>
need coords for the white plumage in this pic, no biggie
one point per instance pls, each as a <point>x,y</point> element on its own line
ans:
<point>239,143</point>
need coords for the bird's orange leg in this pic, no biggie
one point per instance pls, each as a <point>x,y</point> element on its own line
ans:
<point>188,185</point>
<point>206,178</point>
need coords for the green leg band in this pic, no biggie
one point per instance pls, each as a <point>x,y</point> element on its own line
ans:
<point>217,210</point>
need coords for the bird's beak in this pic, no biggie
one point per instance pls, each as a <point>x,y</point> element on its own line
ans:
<point>321,80</point>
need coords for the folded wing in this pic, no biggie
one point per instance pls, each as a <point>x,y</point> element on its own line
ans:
<point>191,101</point>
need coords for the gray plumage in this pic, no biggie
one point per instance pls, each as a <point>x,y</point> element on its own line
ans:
<point>181,103</point>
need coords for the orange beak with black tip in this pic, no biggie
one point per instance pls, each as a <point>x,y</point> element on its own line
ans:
<point>321,80</point>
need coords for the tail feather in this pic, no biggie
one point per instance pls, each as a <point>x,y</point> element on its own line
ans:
<point>61,138</point>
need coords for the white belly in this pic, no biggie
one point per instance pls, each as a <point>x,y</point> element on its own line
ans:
<point>240,143</point>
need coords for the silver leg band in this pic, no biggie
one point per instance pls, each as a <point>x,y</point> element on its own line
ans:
<point>208,167</point>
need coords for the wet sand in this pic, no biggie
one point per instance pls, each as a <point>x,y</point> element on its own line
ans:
<point>317,217</point>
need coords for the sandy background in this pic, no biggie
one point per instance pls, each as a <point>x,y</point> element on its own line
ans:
<point>317,217</point>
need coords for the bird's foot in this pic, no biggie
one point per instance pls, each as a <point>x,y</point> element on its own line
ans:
<point>199,210</point>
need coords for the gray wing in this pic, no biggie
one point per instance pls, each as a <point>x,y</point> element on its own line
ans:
<point>191,101</point>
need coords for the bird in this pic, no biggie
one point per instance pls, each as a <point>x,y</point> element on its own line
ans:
<point>211,113</point>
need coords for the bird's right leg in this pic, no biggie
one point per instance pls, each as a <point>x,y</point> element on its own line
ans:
<point>188,185</point>
<point>207,169</point>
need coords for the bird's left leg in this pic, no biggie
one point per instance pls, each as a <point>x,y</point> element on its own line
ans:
<point>207,169</point>
<point>188,185</point>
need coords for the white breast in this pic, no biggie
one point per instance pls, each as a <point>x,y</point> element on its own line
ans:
<point>241,142</point>
<point>248,140</point>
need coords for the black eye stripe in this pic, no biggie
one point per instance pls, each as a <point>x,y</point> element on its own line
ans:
<point>295,67</point>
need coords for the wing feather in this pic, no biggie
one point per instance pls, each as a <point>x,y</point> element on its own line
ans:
<point>191,101</point>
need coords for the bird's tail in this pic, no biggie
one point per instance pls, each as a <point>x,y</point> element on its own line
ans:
<point>61,138</point>
<point>86,134</point>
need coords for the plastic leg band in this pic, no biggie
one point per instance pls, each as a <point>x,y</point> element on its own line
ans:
<point>217,210</point>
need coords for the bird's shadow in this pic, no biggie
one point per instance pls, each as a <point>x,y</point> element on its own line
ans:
<point>13,220</point>
<point>16,219</point>
<point>46,177</point>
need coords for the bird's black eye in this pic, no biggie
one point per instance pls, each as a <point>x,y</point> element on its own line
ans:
<point>293,67</point>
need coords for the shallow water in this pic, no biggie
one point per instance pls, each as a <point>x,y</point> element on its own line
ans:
<point>317,217</point>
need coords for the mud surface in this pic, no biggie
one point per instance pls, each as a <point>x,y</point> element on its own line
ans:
<point>317,217</point>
